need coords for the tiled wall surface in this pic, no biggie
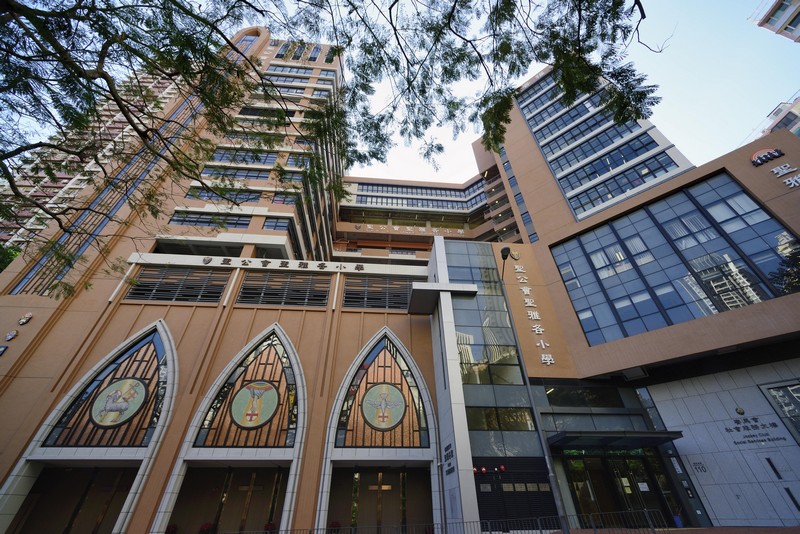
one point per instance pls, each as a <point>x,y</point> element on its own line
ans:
<point>745,464</point>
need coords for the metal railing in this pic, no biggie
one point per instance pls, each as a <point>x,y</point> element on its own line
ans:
<point>630,522</point>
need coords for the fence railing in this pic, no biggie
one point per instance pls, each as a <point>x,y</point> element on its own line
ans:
<point>630,522</point>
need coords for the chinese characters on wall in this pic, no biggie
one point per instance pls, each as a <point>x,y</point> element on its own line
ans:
<point>410,229</point>
<point>282,264</point>
<point>787,168</point>
<point>765,156</point>
<point>533,315</point>
<point>755,431</point>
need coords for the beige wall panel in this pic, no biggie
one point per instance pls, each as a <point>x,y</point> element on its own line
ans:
<point>543,197</point>
<point>483,158</point>
<point>553,334</point>
<point>22,408</point>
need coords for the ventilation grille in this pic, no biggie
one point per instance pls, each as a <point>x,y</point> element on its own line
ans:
<point>285,289</point>
<point>375,291</point>
<point>179,284</point>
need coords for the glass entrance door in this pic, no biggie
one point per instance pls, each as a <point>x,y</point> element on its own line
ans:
<point>636,488</point>
<point>591,486</point>
<point>601,485</point>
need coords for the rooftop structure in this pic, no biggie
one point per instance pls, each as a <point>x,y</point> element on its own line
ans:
<point>781,17</point>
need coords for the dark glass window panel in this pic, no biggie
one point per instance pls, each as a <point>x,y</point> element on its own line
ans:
<point>475,373</point>
<point>584,397</point>
<point>515,419</point>
<point>505,375</point>
<point>482,419</point>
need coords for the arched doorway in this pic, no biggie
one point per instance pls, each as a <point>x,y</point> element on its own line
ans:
<point>381,446</point>
<point>85,468</point>
<point>254,417</point>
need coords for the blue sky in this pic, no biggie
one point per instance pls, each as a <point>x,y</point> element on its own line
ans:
<point>719,76</point>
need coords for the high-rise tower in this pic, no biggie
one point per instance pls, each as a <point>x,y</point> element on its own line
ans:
<point>595,162</point>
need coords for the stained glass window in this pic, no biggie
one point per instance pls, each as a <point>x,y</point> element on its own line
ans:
<point>257,404</point>
<point>121,406</point>
<point>383,407</point>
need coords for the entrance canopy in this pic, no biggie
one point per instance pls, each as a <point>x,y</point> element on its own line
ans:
<point>598,439</point>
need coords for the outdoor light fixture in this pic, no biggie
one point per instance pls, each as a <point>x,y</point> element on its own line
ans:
<point>504,252</point>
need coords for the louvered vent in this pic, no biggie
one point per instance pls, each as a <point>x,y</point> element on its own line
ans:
<point>285,289</point>
<point>178,284</point>
<point>376,291</point>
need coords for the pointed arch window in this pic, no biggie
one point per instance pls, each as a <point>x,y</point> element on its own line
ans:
<point>122,404</point>
<point>257,404</point>
<point>382,405</point>
<point>282,50</point>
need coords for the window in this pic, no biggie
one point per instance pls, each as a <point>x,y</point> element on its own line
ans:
<point>239,174</point>
<point>282,50</point>
<point>223,220</point>
<point>617,185</point>
<point>788,119</point>
<point>277,223</point>
<point>175,284</point>
<point>540,100</point>
<point>290,90</point>
<point>227,196</point>
<point>228,424</point>
<point>244,156</point>
<point>786,401</point>
<point>584,396</point>
<point>545,82</point>
<point>376,291</point>
<point>138,375</point>
<point>274,78</point>
<point>698,252</point>
<point>314,53</point>
<point>298,52</point>
<point>290,176</point>
<point>284,198</point>
<point>491,418</point>
<point>778,13</point>
<point>267,112</point>
<point>580,130</point>
<point>608,162</point>
<point>601,141</point>
<point>284,289</point>
<point>455,205</point>
<point>290,70</point>
<point>297,160</point>
<point>793,24</point>
<point>578,111</point>
<point>382,376</point>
